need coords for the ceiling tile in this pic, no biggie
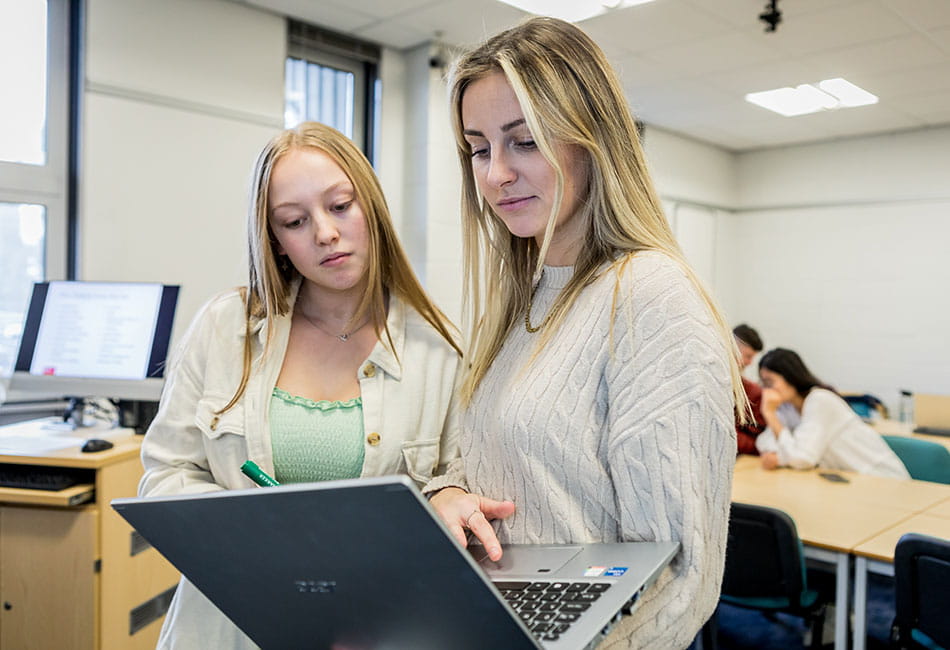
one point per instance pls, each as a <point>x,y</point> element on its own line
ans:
<point>835,27</point>
<point>909,51</point>
<point>687,64</point>
<point>923,14</point>
<point>395,35</point>
<point>655,24</point>
<point>722,52</point>
<point>326,14</point>
<point>462,22</point>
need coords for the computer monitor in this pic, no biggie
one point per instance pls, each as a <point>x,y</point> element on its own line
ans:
<point>95,339</point>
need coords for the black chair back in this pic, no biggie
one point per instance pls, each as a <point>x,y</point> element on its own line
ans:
<point>763,555</point>
<point>922,585</point>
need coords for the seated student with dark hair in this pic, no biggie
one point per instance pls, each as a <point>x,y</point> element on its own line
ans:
<point>749,344</point>
<point>810,425</point>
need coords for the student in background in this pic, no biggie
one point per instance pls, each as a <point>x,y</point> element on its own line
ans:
<point>331,363</point>
<point>809,424</point>
<point>601,384</point>
<point>749,344</point>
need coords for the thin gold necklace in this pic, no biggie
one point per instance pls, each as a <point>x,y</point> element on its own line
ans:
<point>527,314</point>
<point>345,336</point>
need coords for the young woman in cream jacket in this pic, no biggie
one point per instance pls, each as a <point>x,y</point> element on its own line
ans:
<point>332,363</point>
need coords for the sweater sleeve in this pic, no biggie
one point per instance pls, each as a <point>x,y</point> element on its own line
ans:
<point>820,421</point>
<point>671,448</point>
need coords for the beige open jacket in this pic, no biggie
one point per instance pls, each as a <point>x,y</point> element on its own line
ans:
<point>408,403</point>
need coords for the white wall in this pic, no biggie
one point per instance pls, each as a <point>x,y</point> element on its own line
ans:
<point>835,249</point>
<point>431,231</point>
<point>685,170</point>
<point>179,98</point>
<point>839,251</point>
<point>698,184</point>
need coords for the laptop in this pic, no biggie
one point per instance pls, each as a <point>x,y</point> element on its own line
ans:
<point>932,414</point>
<point>366,564</point>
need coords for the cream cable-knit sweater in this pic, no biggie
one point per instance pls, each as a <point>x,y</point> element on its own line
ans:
<point>606,440</point>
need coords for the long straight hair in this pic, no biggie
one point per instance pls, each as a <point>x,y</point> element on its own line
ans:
<point>271,276</point>
<point>569,94</point>
<point>793,370</point>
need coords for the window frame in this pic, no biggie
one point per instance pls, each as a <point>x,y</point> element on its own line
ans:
<point>48,184</point>
<point>360,58</point>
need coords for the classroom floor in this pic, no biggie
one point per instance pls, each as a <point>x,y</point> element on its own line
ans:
<point>743,629</point>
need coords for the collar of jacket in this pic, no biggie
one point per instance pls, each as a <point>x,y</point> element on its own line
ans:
<point>388,360</point>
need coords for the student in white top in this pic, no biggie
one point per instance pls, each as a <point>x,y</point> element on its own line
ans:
<point>808,424</point>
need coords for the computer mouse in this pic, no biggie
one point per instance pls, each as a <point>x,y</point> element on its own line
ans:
<point>96,444</point>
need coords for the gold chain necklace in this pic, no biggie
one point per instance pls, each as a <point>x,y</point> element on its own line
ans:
<point>527,314</point>
<point>345,336</point>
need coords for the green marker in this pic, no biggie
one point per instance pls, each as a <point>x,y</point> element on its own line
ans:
<point>256,474</point>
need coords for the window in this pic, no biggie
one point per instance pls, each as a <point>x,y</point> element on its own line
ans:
<point>331,79</point>
<point>34,146</point>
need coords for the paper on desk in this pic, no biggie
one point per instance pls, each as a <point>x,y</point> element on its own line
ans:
<point>32,445</point>
<point>49,434</point>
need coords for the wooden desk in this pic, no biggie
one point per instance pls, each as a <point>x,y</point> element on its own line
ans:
<point>76,575</point>
<point>897,428</point>
<point>747,461</point>
<point>834,518</point>
<point>942,509</point>
<point>877,555</point>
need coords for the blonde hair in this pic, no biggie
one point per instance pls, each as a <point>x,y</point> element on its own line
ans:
<point>569,95</point>
<point>270,277</point>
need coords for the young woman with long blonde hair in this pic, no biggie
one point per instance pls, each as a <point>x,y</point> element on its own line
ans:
<point>331,363</point>
<point>600,388</point>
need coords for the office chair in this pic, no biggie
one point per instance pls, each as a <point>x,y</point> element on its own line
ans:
<point>925,460</point>
<point>921,583</point>
<point>765,568</point>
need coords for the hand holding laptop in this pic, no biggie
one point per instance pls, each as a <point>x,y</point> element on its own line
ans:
<point>461,510</point>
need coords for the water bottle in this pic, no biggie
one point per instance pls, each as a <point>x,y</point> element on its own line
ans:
<point>907,407</point>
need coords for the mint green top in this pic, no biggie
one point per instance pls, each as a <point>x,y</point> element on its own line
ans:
<point>315,440</point>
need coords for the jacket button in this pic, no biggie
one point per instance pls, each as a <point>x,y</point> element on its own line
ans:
<point>373,439</point>
<point>214,422</point>
<point>369,370</point>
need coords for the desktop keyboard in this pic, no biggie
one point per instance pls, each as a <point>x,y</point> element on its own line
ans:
<point>549,608</point>
<point>41,477</point>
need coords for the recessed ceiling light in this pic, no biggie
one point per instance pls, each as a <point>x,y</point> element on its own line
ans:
<point>829,94</point>
<point>571,10</point>
<point>847,93</point>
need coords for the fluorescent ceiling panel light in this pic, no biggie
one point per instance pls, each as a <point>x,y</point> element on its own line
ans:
<point>810,98</point>
<point>847,93</point>
<point>571,10</point>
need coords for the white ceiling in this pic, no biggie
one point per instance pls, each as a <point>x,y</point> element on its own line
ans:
<point>687,64</point>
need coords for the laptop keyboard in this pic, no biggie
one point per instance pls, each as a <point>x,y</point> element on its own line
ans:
<point>549,608</point>
<point>933,431</point>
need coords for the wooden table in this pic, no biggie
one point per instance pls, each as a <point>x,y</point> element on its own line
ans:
<point>835,518</point>
<point>942,509</point>
<point>897,428</point>
<point>877,555</point>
